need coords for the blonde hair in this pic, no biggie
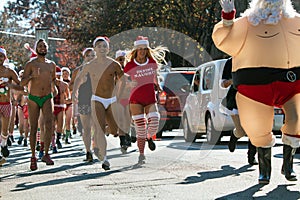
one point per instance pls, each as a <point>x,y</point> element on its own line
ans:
<point>269,11</point>
<point>158,54</point>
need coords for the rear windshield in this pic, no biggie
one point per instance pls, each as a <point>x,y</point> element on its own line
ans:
<point>175,81</point>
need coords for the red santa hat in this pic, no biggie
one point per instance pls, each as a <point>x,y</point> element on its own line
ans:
<point>33,53</point>
<point>66,69</point>
<point>141,40</point>
<point>58,71</point>
<point>102,38</point>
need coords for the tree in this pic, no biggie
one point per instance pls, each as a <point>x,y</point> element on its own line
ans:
<point>81,21</point>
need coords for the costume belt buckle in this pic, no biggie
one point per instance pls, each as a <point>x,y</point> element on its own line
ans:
<point>291,76</point>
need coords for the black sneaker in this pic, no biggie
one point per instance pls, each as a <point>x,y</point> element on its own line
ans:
<point>252,161</point>
<point>54,149</point>
<point>8,141</point>
<point>151,144</point>
<point>20,140</point>
<point>67,141</point>
<point>12,138</point>
<point>74,131</point>
<point>124,149</point>
<point>106,165</point>
<point>142,159</point>
<point>232,142</point>
<point>4,151</point>
<point>89,157</point>
<point>128,140</point>
<point>25,143</point>
<point>58,143</point>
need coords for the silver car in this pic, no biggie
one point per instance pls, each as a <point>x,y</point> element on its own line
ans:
<point>202,114</point>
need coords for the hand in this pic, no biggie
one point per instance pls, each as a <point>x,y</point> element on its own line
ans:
<point>133,83</point>
<point>227,5</point>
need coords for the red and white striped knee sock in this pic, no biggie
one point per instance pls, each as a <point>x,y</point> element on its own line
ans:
<point>140,128</point>
<point>153,123</point>
<point>38,135</point>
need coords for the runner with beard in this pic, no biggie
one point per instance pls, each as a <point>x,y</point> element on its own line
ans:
<point>39,75</point>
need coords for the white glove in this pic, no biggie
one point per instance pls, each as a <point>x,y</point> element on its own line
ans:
<point>227,5</point>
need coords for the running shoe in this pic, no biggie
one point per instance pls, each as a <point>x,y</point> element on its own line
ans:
<point>142,159</point>
<point>54,149</point>
<point>20,140</point>
<point>33,163</point>
<point>4,151</point>
<point>151,144</point>
<point>25,143</point>
<point>46,158</point>
<point>106,165</point>
<point>89,157</point>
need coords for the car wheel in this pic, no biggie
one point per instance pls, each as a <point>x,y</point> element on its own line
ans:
<point>212,136</point>
<point>189,136</point>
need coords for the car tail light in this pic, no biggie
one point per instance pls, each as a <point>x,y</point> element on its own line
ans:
<point>162,97</point>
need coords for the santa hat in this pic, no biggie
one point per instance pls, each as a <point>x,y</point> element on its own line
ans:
<point>58,71</point>
<point>33,53</point>
<point>66,69</point>
<point>120,53</point>
<point>102,38</point>
<point>86,50</point>
<point>141,40</point>
<point>3,51</point>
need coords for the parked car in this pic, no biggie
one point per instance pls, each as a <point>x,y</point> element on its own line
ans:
<point>202,114</point>
<point>172,99</point>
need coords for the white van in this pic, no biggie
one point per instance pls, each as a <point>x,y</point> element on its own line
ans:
<point>201,113</point>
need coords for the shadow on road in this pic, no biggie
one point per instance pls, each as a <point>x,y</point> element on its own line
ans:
<point>280,192</point>
<point>226,170</point>
<point>76,178</point>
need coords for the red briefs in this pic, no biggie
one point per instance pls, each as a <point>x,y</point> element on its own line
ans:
<point>5,109</point>
<point>273,94</point>
<point>58,109</point>
<point>24,109</point>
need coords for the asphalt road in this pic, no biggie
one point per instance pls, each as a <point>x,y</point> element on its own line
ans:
<point>175,170</point>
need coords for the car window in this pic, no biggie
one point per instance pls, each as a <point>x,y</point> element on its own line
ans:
<point>175,81</point>
<point>208,78</point>
<point>196,82</point>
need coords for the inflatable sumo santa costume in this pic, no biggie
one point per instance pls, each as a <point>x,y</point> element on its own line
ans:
<point>264,44</point>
